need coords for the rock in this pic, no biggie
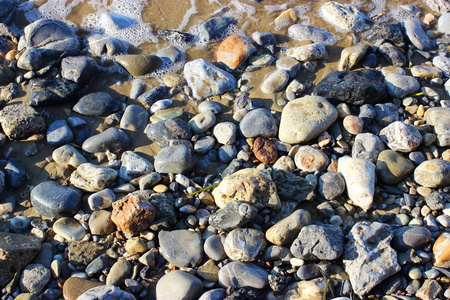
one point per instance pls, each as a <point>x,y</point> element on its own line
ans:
<point>428,72</point>
<point>163,132</point>
<point>386,114</point>
<point>291,65</point>
<point>171,55</point>
<point>105,292</point>
<point>112,21</point>
<point>234,50</point>
<point>311,159</point>
<point>68,156</point>
<point>392,54</point>
<point>210,105</point>
<point>305,290</point>
<point>188,286</point>
<point>443,63</point>
<point>6,75</point>
<point>344,17</point>
<point>291,187</point>
<point>214,247</point>
<point>135,245</point>
<point>350,56</point>
<point>359,176</point>
<point>309,271</point>
<point>400,86</point>
<point>84,252</point>
<point>106,45</point>
<point>318,242</point>
<point>34,278</point>
<point>244,244</point>
<point>2,182</point>
<point>132,214</point>
<point>305,118</point>
<point>353,87</point>
<point>161,105</point>
<point>79,69</point>
<point>8,205</point>
<point>390,32</point>
<point>73,287</point>
<point>367,146</point>
<point>215,294</point>
<point>215,28</point>
<point>97,104</point>
<point>433,173</point>
<point>202,122</point>
<point>100,223</point>
<point>429,290</point>
<point>417,35</point>
<point>181,248</point>
<point>441,250</point>
<point>368,257</point>
<point>59,133</point>
<point>15,173</point>
<point>265,150</point>
<point>225,132</point>
<point>249,185</point>
<point>285,231</point>
<point>232,216</point>
<point>102,199</point>
<point>92,178</point>
<point>8,8</point>
<point>21,121</point>
<point>258,122</point>
<point>31,59</point>
<point>302,32</point>
<point>437,200</point>
<point>68,228</point>
<point>406,238</point>
<point>133,166</point>
<point>52,200</point>
<point>438,6</point>
<point>207,80</point>
<point>111,139</point>
<point>51,91</point>
<point>401,137</point>
<point>119,272</point>
<point>139,65</point>
<point>275,81</point>
<point>174,159</point>
<point>238,274</point>
<point>16,251</point>
<point>52,37</point>
<point>264,38</point>
<point>331,185</point>
<point>309,52</point>
<point>392,167</point>
<point>439,118</point>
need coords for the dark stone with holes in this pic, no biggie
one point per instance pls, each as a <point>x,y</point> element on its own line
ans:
<point>385,32</point>
<point>51,91</point>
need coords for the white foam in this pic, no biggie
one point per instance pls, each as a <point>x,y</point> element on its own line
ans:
<point>52,9</point>
<point>272,8</point>
<point>405,12</point>
<point>239,10</point>
<point>378,11</point>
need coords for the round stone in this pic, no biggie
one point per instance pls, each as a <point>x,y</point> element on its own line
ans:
<point>100,223</point>
<point>214,247</point>
<point>70,229</point>
<point>187,286</point>
<point>244,244</point>
<point>353,124</point>
<point>311,159</point>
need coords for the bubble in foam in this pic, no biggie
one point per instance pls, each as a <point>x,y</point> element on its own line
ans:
<point>378,13</point>
<point>272,8</point>
<point>52,9</point>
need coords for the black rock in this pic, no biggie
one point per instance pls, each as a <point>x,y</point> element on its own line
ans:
<point>7,8</point>
<point>392,54</point>
<point>163,132</point>
<point>406,238</point>
<point>97,265</point>
<point>53,200</point>
<point>385,32</point>
<point>353,87</point>
<point>291,187</point>
<point>97,104</point>
<point>148,98</point>
<point>6,75</point>
<point>175,36</point>
<point>308,271</point>
<point>51,91</point>
<point>111,139</point>
<point>216,27</point>
<point>233,215</point>
<point>370,61</point>
<point>15,173</point>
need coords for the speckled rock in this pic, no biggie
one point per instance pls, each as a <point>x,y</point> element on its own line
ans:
<point>92,178</point>
<point>308,52</point>
<point>133,166</point>
<point>244,244</point>
<point>330,185</point>
<point>344,17</point>
<point>132,214</point>
<point>311,159</point>
<point>20,121</point>
<point>433,173</point>
<point>34,278</point>
<point>163,132</point>
<point>401,137</point>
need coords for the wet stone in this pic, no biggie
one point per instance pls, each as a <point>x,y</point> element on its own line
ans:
<point>234,50</point>
<point>216,27</point>
<point>258,122</point>
<point>139,65</point>
<point>171,55</point>
<point>182,248</point>
<point>34,278</point>
<point>310,52</point>
<point>97,104</point>
<point>110,46</point>
<point>59,133</point>
<point>52,200</point>
<point>344,17</point>
<point>111,139</point>
<point>232,216</point>
<point>264,38</point>
<point>386,32</point>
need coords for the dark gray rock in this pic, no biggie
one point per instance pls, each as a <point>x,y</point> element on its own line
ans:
<point>80,69</point>
<point>367,114</point>
<point>97,265</point>
<point>48,91</point>
<point>15,173</point>
<point>264,38</point>
<point>227,153</point>
<point>59,133</point>
<point>386,32</point>
<point>6,75</point>
<point>292,187</point>
<point>181,248</point>
<point>258,122</point>
<point>319,242</point>
<point>308,271</point>
<point>111,139</point>
<point>147,99</point>
<point>174,159</point>
<point>176,37</point>
<point>386,114</point>
<point>134,118</point>
<point>331,185</point>
<point>277,253</point>
<point>7,8</point>
<point>163,132</point>
<point>243,274</point>
<point>392,54</point>
<point>406,238</point>
<point>216,28</point>
<point>20,121</point>
<point>353,87</point>
<point>437,200</point>
<point>97,104</point>
<point>52,200</point>
<point>232,216</point>
<point>213,247</point>
<point>204,144</point>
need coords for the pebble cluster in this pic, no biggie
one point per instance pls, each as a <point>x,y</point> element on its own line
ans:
<point>344,194</point>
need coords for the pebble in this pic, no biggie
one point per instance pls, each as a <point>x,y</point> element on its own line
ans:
<point>400,86</point>
<point>133,166</point>
<point>310,159</point>
<point>163,132</point>
<point>433,173</point>
<point>367,146</point>
<point>59,133</point>
<point>401,137</point>
<point>238,274</point>
<point>244,244</point>
<point>188,286</point>
<point>100,223</point>
<point>134,118</point>
<point>111,139</point>
<point>34,278</point>
<point>92,178</point>
<point>309,52</point>
<point>285,231</point>
<point>258,122</point>
<point>174,159</point>
<point>68,228</point>
<point>214,247</point>
<point>225,133</point>
<point>233,215</point>
<point>139,65</point>
<point>101,200</point>
<point>234,50</point>
<point>410,237</point>
<point>392,167</point>
<point>331,185</point>
<point>202,122</point>
<point>97,104</point>
<point>132,214</point>
<point>182,248</point>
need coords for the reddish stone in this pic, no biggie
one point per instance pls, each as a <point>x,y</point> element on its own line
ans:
<point>441,250</point>
<point>234,50</point>
<point>133,214</point>
<point>265,150</point>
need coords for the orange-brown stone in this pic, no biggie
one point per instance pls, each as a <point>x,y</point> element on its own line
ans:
<point>234,50</point>
<point>441,250</point>
<point>265,150</point>
<point>133,214</point>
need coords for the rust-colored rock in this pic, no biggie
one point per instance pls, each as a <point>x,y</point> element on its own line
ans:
<point>234,50</point>
<point>265,150</point>
<point>441,250</point>
<point>133,214</point>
